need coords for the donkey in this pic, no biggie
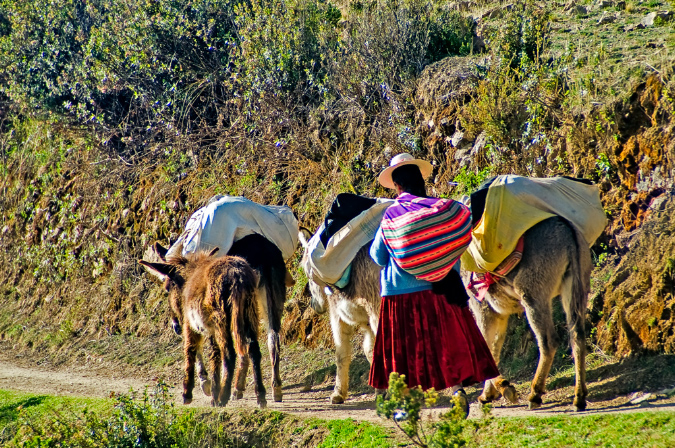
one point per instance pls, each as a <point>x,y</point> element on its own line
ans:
<point>356,306</point>
<point>214,298</point>
<point>266,259</point>
<point>556,261</point>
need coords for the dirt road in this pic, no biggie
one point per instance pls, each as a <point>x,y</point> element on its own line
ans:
<point>83,381</point>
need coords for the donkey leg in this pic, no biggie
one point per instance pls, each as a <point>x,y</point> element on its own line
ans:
<point>217,369</point>
<point>274,346</point>
<point>493,326</point>
<point>223,338</point>
<point>191,346</point>
<point>256,357</point>
<point>271,317</point>
<point>342,333</point>
<point>368,342</point>
<point>240,385</point>
<point>540,317</point>
<point>204,381</point>
<point>577,331</point>
<point>580,390</point>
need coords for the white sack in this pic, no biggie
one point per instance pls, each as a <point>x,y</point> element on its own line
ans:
<point>328,264</point>
<point>230,218</point>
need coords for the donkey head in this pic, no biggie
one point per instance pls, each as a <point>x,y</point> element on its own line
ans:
<point>175,271</point>
<point>318,297</point>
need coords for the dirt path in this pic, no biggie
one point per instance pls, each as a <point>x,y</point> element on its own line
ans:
<point>81,381</point>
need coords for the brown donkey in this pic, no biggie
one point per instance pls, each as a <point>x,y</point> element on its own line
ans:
<point>267,261</point>
<point>556,261</point>
<point>215,298</point>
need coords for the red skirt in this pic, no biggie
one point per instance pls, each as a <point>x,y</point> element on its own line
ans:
<point>433,343</point>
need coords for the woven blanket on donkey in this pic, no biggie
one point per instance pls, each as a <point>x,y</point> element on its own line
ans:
<point>480,281</point>
<point>426,236</point>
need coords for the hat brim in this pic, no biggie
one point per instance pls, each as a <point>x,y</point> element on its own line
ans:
<point>385,176</point>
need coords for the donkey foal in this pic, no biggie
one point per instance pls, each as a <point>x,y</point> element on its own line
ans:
<point>214,298</point>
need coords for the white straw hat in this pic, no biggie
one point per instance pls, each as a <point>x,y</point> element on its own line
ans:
<point>400,160</point>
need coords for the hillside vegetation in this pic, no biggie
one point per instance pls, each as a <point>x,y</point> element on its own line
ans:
<point>119,118</point>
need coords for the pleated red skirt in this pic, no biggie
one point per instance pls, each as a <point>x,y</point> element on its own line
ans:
<point>433,343</point>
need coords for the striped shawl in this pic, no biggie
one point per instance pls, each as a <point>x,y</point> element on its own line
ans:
<point>426,236</point>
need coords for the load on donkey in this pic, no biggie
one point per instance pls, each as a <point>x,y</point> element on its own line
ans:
<point>265,237</point>
<point>539,232</point>
<point>530,244</point>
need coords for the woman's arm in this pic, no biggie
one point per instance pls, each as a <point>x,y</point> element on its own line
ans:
<point>378,250</point>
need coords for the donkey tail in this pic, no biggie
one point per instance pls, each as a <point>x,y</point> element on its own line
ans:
<point>580,269</point>
<point>244,307</point>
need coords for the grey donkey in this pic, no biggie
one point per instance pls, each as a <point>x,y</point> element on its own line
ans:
<point>357,306</point>
<point>556,262</point>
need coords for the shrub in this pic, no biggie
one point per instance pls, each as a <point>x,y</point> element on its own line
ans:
<point>148,421</point>
<point>121,64</point>
<point>404,407</point>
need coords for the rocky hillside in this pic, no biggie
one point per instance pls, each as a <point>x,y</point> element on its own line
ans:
<point>119,119</point>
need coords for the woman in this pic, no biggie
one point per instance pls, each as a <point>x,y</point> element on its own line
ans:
<point>426,330</point>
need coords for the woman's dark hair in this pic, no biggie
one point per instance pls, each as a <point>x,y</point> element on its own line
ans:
<point>409,178</point>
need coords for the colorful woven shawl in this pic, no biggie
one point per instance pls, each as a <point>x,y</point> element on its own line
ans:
<point>426,236</point>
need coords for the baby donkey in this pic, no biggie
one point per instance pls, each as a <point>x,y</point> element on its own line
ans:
<point>214,298</point>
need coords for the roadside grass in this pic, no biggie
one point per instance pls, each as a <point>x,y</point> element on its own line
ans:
<point>648,429</point>
<point>17,407</point>
<point>29,420</point>
<point>348,433</point>
<point>151,420</point>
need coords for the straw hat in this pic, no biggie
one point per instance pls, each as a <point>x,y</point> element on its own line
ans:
<point>400,160</point>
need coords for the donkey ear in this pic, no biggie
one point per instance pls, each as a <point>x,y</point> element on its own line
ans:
<point>304,236</point>
<point>160,251</point>
<point>162,270</point>
<point>213,251</point>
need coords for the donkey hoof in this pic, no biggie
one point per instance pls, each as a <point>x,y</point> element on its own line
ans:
<point>337,398</point>
<point>187,400</point>
<point>262,403</point>
<point>483,399</point>
<point>535,401</point>
<point>534,405</point>
<point>206,387</point>
<point>580,405</point>
<point>278,394</point>
<point>510,394</point>
<point>237,394</point>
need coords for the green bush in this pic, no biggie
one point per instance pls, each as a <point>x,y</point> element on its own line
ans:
<point>450,34</point>
<point>133,64</point>
<point>148,421</point>
<point>403,406</point>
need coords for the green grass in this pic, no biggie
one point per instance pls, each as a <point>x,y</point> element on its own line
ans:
<point>17,407</point>
<point>653,429</point>
<point>26,419</point>
<point>649,429</point>
<point>349,433</point>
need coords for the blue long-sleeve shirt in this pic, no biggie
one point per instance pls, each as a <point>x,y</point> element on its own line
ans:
<point>393,279</point>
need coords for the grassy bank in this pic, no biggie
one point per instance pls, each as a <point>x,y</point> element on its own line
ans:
<point>149,420</point>
<point>116,128</point>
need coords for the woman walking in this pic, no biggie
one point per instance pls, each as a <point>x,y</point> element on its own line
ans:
<point>426,330</point>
